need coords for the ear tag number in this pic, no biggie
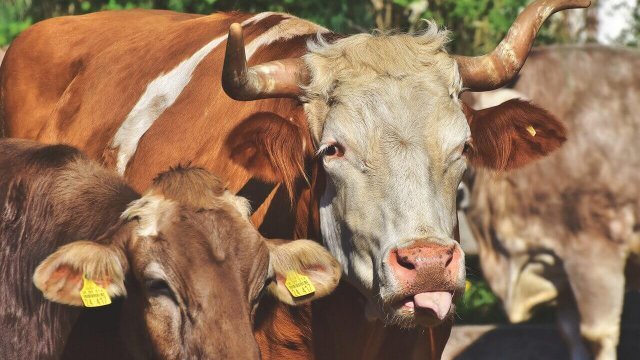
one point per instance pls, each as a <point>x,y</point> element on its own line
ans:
<point>531,130</point>
<point>298,285</point>
<point>92,294</point>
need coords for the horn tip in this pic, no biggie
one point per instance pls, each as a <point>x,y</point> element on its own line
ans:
<point>235,29</point>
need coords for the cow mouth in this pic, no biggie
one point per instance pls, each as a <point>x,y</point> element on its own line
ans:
<point>427,308</point>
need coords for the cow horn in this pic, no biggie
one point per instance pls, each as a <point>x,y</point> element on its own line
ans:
<point>494,70</point>
<point>279,78</point>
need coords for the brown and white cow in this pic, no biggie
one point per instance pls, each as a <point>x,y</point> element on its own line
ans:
<point>364,137</point>
<point>185,255</point>
<point>567,229</point>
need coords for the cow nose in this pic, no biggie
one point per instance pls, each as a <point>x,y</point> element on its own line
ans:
<point>419,256</point>
<point>428,258</point>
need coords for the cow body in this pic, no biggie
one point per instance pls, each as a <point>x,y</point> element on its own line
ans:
<point>377,130</point>
<point>186,249</point>
<point>565,229</point>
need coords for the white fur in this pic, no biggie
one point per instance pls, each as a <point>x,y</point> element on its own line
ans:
<point>149,210</point>
<point>162,92</point>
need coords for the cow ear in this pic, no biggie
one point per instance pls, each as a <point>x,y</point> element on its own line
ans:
<point>295,264</point>
<point>269,147</point>
<point>60,276</point>
<point>512,134</point>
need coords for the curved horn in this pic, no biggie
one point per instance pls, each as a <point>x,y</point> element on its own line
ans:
<point>491,71</point>
<point>280,78</point>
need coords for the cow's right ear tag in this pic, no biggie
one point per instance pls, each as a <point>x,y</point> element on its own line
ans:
<point>298,285</point>
<point>92,294</point>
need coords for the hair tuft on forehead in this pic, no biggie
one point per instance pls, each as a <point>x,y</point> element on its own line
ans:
<point>188,185</point>
<point>148,210</point>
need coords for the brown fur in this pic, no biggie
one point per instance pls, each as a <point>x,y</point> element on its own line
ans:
<point>210,262</point>
<point>501,141</point>
<point>201,127</point>
<point>581,205</point>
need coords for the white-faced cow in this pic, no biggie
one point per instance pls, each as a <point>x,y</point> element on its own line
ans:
<point>185,255</point>
<point>359,142</point>
<point>567,229</point>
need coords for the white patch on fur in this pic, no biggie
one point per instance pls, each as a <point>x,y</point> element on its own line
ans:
<point>162,92</point>
<point>285,30</point>
<point>240,203</point>
<point>149,210</point>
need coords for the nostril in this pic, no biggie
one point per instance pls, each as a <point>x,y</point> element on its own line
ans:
<point>449,255</point>
<point>405,262</point>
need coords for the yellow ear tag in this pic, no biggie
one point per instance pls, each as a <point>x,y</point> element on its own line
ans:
<point>531,130</point>
<point>92,294</point>
<point>298,285</point>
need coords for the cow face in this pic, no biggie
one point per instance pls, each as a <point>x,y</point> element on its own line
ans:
<point>394,140</point>
<point>518,259</point>
<point>195,270</point>
<point>391,138</point>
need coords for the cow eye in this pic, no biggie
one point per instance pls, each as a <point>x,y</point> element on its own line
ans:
<point>159,287</point>
<point>466,148</point>
<point>332,150</point>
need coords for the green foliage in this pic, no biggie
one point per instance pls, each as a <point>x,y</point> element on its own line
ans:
<point>479,305</point>
<point>630,36</point>
<point>13,19</point>
<point>477,25</point>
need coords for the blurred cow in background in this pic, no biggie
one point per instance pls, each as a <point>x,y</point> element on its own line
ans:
<point>567,228</point>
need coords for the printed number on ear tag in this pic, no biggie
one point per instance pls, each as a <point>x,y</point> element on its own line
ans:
<point>298,285</point>
<point>92,294</point>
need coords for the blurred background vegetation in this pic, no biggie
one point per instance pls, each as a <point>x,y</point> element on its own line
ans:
<point>477,25</point>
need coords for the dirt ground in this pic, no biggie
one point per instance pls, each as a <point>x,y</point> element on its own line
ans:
<point>522,342</point>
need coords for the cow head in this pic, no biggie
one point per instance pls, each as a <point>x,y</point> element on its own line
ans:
<point>518,258</point>
<point>522,268</point>
<point>194,266</point>
<point>394,140</point>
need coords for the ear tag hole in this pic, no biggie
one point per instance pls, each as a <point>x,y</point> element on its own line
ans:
<point>298,285</point>
<point>92,294</point>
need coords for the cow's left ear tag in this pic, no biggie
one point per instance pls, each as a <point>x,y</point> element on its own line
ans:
<point>298,285</point>
<point>92,294</point>
<point>531,130</point>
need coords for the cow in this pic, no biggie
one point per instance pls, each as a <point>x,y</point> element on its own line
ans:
<point>185,255</point>
<point>355,141</point>
<point>567,229</point>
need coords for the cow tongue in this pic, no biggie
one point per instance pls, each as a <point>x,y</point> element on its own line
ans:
<point>437,301</point>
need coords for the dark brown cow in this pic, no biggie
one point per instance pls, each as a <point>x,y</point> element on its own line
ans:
<point>567,229</point>
<point>192,268</point>
<point>357,141</point>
